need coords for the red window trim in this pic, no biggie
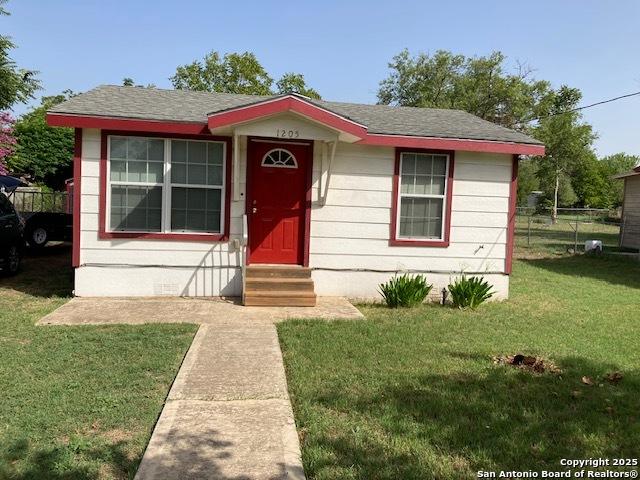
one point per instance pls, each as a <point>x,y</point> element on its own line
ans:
<point>104,234</point>
<point>400,242</point>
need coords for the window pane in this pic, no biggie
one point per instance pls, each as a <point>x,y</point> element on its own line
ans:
<point>178,151</point>
<point>136,208</point>
<point>197,152</point>
<point>137,172</point>
<point>195,209</point>
<point>136,149</point>
<point>118,170</point>
<point>423,164</point>
<point>118,147</point>
<point>179,173</point>
<point>196,174</point>
<point>215,153</point>
<point>156,150</point>
<point>408,163</point>
<point>155,172</point>
<point>439,165</point>
<point>437,187</point>
<point>421,217</point>
<point>423,185</point>
<point>214,175</point>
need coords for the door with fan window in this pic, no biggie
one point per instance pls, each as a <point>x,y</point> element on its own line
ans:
<point>277,200</point>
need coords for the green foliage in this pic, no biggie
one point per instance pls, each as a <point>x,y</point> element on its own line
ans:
<point>614,165</point>
<point>469,292</point>
<point>405,291</point>
<point>129,82</point>
<point>479,85</point>
<point>527,181</point>
<point>16,84</point>
<point>235,73</point>
<point>294,83</point>
<point>42,151</point>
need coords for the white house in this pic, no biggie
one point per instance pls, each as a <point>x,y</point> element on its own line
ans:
<point>280,198</point>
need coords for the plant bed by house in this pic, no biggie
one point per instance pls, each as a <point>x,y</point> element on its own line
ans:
<point>76,402</point>
<point>415,393</point>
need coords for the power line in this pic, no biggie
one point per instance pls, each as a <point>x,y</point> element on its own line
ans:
<point>587,106</point>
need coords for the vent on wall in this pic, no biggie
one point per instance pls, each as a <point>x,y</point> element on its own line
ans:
<point>165,289</point>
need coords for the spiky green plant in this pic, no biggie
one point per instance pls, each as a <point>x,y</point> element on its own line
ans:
<point>405,290</point>
<point>469,292</point>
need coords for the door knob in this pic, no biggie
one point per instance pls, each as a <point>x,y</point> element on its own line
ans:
<point>254,209</point>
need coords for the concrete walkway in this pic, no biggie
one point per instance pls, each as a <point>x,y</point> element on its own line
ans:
<point>228,414</point>
<point>103,310</point>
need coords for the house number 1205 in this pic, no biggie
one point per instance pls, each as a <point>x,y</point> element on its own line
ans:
<point>282,133</point>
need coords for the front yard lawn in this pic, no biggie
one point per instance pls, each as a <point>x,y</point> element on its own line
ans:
<point>414,394</point>
<point>76,402</point>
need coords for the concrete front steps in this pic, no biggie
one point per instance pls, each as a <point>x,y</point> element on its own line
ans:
<point>279,286</point>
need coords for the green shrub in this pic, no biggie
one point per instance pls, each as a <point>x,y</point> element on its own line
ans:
<point>405,291</point>
<point>469,292</point>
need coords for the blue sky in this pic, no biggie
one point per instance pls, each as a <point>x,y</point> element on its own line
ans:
<point>342,47</point>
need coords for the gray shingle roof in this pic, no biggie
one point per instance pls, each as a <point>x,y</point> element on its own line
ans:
<point>188,106</point>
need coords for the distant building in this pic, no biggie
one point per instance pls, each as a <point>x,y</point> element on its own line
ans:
<point>630,229</point>
<point>533,199</point>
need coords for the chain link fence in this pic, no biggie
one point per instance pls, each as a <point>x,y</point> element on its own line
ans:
<point>538,233</point>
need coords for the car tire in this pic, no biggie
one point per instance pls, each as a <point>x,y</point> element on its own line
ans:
<point>12,260</point>
<point>38,237</point>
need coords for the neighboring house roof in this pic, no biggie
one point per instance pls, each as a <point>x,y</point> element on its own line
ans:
<point>632,173</point>
<point>196,107</point>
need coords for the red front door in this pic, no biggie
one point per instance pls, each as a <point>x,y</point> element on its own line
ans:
<point>276,200</point>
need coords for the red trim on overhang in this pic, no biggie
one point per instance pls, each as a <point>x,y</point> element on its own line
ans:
<point>126,124</point>
<point>294,104</point>
<point>452,144</point>
<point>282,105</point>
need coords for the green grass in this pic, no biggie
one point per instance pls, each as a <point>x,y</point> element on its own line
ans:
<point>76,402</point>
<point>414,394</point>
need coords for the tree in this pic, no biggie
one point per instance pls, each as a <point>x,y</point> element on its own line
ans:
<point>527,181</point>
<point>478,85</point>
<point>614,165</point>
<point>128,82</point>
<point>294,83</point>
<point>568,143</point>
<point>236,73</point>
<point>16,84</point>
<point>42,151</point>
<point>7,140</point>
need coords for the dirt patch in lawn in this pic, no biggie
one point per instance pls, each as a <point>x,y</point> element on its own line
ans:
<point>528,363</point>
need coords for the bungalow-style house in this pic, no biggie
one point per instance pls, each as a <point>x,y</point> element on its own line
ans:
<point>630,228</point>
<point>281,198</point>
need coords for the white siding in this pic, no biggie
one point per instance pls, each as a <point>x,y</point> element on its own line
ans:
<point>350,233</point>
<point>149,267</point>
<point>349,244</point>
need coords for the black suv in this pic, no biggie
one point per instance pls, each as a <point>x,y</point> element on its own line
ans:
<point>11,237</point>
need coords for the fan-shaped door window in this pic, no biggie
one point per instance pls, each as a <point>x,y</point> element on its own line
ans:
<point>279,158</point>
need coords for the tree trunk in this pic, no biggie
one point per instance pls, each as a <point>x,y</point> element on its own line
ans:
<point>554,212</point>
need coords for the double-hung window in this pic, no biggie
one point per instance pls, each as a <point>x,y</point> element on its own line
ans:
<point>165,185</point>
<point>422,194</point>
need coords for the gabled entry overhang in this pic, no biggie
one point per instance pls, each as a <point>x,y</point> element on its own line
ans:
<point>346,130</point>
